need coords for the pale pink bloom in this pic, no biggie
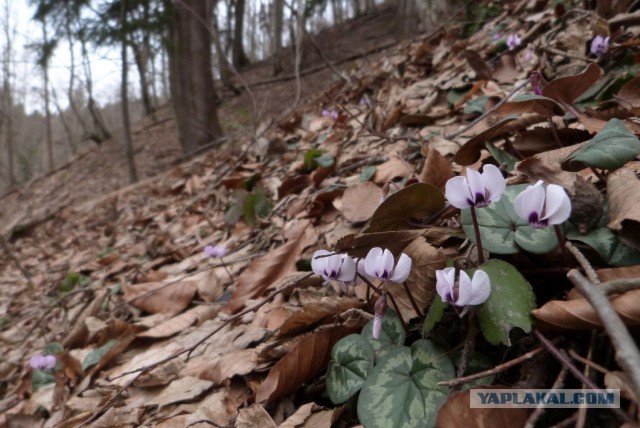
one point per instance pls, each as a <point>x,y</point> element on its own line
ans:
<point>542,208</point>
<point>475,190</point>
<point>43,362</point>
<point>380,264</point>
<point>216,252</point>
<point>331,266</point>
<point>330,113</point>
<point>600,45</point>
<point>513,41</point>
<point>463,291</point>
<point>380,309</point>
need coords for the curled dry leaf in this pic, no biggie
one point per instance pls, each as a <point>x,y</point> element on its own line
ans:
<point>268,269</point>
<point>182,389</point>
<point>567,89</point>
<point>302,363</point>
<point>254,416</point>
<point>579,315</point>
<point>456,412</point>
<point>312,313</point>
<point>181,322</point>
<point>436,170</point>
<point>171,299</point>
<point>469,153</point>
<point>393,168</point>
<point>618,273</point>
<point>359,202</point>
<point>623,188</point>
<point>422,279</point>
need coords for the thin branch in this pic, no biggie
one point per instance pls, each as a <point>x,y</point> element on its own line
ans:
<point>588,269</point>
<point>535,415</point>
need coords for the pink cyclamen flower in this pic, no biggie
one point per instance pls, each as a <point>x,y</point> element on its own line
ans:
<point>42,362</point>
<point>513,41</point>
<point>330,113</point>
<point>380,264</point>
<point>600,45</point>
<point>331,266</point>
<point>475,190</point>
<point>463,291</point>
<point>217,252</point>
<point>528,55</point>
<point>542,208</point>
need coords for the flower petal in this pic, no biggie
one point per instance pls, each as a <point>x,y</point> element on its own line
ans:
<point>319,264</point>
<point>480,288</point>
<point>557,205</point>
<point>377,326</point>
<point>476,186</point>
<point>385,268</point>
<point>493,182</point>
<point>444,287</point>
<point>348,269</point>
<point>50,361</point>
<point>464,289</point>
<point>402,269</point>
<point>457,192</point>
<point>530,200</point>
<point>372,261</point>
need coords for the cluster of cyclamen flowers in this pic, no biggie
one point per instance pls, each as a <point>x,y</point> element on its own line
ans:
<point>539,206</point>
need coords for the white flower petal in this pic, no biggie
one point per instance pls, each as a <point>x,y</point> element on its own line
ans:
<point>530,200</point>
<point>457,192</point>
<point>385,268</point>
<point>377,326</point>
<point>493,182</point>
<point>319,264</point>
<point>480,288</point>
<point>371,262</point>
<point>476,187</point>
<point>557,205</point>
<point>464,289</point>
<point>444,287</point>
<point>348,269</point>
<point>402,269</point>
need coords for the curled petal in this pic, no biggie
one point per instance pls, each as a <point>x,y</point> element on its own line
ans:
<point>476,186</point>
<point>464,290</point>
<point>557,205</point>
<point>444,283</point>
<point>36,362</point>
<point>334,262</point>
<point>318,263</point>
<point>373,261</point>
<point>530,200</point>
<point>480,288</point>
<point>457,192</point>
<point>402,269</point>
<point>50,361</point>
<point>385,268</point>
<point>377,325</point>
<point>493,182</point>
<point>348,269</point>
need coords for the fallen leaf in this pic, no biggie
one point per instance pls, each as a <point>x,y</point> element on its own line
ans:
<point>469,153</point>
<point>268,269</point>
<point>391,169</point>
<point>359,202</point>
<point>456,412</point>
<point>395,241</point>
<point>299,417</point>
<point>254,416</point>
<point>436,170</point>
<point>302,363</point>
<point>171,299</point>
<point>181,322</point>
<point>183,389</point>
<point>623,188</point>
<point>479,65</point>
<point>567,89</point>
<point>618,273</point>
<point>213,409</point>
<point>312,313</point>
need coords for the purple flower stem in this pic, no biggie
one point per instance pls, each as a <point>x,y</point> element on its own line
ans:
<point>412,300</point>
<point>476,229</point>
<point>563,246</point>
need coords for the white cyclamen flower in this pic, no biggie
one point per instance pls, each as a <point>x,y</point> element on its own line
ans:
<point>542,208</point>
<point>331,266</point>
<point>600,45</point>
<point>475,190</point>
<point>380,264</point>
<point>513,41</point>
<point>466,292</point>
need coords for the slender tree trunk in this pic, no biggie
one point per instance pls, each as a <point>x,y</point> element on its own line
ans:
<point>65,123</point>
<point>7,88</point>
<point>193,94</point>
<point>239,56</point>
<point>278,18</point>
<point>124,98</point>
<point>47,108</point>
<point>141,59</point>
<point>72,73</point>
<point>101,131</point>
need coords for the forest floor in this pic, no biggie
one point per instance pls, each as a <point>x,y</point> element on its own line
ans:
<point>148,330</point>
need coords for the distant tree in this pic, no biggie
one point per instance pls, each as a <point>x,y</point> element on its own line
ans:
<point>6,115</point>
<point>278,24</point>
<point>124,97</point>
<point>239,57</point>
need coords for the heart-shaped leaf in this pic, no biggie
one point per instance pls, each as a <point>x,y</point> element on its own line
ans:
<point>613,147</point>
<point>351,360</point>
<point>503,232</point>
<point>567,89</point>
<point>509,304</point>
<point>435,313</point>
<point>391,336</point>
<point>402,389</point>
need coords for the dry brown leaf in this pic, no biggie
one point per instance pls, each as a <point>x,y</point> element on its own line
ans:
<point>254,416</point>
<point>479,65</point>
<point>359,202</point>
<point>168,300</point>
<point>181,322</point>
<point>623,188</point>
<point>268,269</point>
<point>299,417</point>
<point>393,168</point>
<point>315,312</point>
<point>567,89</point>
<point>436,170</point>
<point>629,94</point>
<point>183,389</point>
<point>323,419</point>
<point>469,153</point>
<point>394,241</point>
<point>456,412</point>
<point>123,333</point>
<point>79,335</point>
<point>302,363</point>
<point>578,314</point>
<point>506,70</point>
<point>546,166</point>
<point>541,139</point>
<point>618,273</point>
<point>422,279</point>
<point>222,367</point>
<point>213,409</point>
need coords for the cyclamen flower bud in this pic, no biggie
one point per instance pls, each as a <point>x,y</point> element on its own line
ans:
<point>380,308</point>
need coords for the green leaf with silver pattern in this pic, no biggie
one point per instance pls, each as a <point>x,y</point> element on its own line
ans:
<point>351,361</point>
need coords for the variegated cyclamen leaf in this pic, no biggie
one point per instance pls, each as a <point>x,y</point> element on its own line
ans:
<point>503,232</point>
<point>402,389</point>
<point>351,361</point>
<point>391,336</point>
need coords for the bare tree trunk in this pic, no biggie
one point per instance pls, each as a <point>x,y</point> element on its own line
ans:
<point>65,124</point>
<point>72,73</point>
<point>101,131</point>
<point>239,57</point>
<point>278,18</point>
<point>406,19</point>
<point>47,109</point>
<point>7,105</point>
<point>124,97</point>
<point>141,57</point>
<point>193,94</point>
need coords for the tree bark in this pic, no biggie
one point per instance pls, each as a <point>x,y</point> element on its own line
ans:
<point>239,56</point>
<point>124,100</point>
<point>47,108</point>
<point>278,18</point>
<point>191,78</point>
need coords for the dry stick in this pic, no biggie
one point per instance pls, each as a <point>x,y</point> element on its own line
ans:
<point>563,246</point>
<point>412,300</point>
<point>564,359</point>
<point>627,354</point>
<point>488,112</point>
<point>497,369</point>
<point>588,269</point>
<point>469,344</point>
<point>539,410</point>
<point>619,286</point>
<point>141,370</point>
